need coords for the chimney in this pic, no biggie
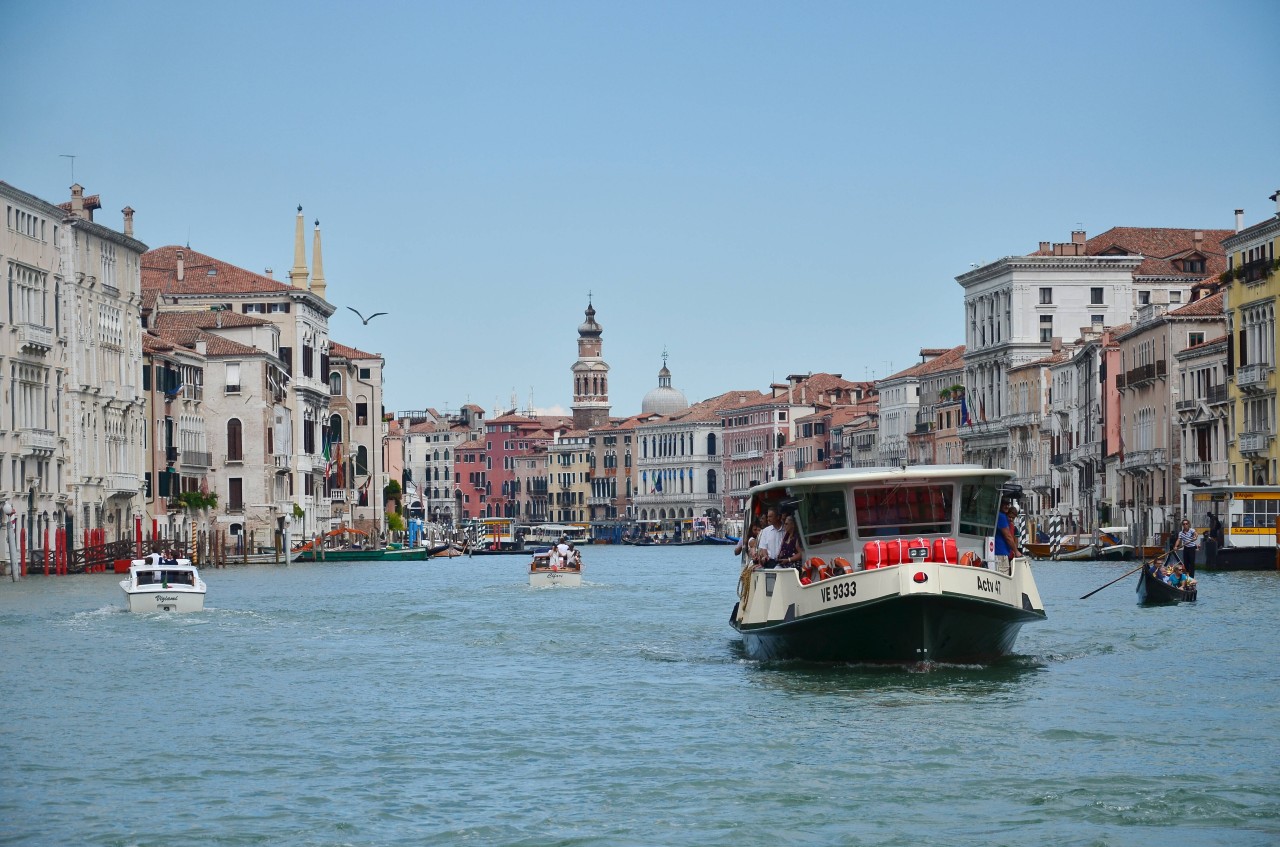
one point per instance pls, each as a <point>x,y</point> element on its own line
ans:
<point>77,200</point>
<point>181,268</point>
<point>1198,239</point>
<point>267,272</point>
<point>1239,219</point>
<point>1046,247</point>
<point>1276,197</point>
<point>1077,236</point>
<point>1055,344</point>
<point>202,346</point>
<point>127,211</point>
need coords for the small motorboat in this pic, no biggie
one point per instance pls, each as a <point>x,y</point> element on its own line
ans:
<point>1080,554</point>
<point>1154,591</point>
<point>546,570</point>
<point>157,584</point>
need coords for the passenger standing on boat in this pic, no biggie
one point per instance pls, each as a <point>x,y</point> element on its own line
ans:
<point>789,553</point>
<point>1187,541</point>
<point>749,540</point>
<point>1006,541</point>
<point>771,539</point>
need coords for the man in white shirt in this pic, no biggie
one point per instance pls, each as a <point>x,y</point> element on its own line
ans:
<point>770,542</point>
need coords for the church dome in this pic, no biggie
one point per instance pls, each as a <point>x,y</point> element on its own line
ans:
<point>664,400</point>
<point>589,328</point>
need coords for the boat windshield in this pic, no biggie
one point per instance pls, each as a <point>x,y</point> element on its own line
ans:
<point>979,505</point>
<point>904,510</point>
<point>166,578</point>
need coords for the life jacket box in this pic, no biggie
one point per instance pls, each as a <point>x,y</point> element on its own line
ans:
<point>914,544</point>
<point>945,552</point>
<point>875,554</point>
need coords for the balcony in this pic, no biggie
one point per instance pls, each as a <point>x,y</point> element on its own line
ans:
<point>1256,271</point>
<point>1022,419</point>
<point>280,461</point>
<point>1144,459</point>
<point>1143,374</point>
<point>1254,442</point>
<point>1205,472</point>
<point>197,459</point>
<point>237,459</point>
<point>35,442</point>
<point>1059,459</point>
<point>1216,395</point>
<point>36,339</point>
<point>1253,378</point>
<point>338,495</point>
<point>747,454</point>
<point>1041,482</point>
<point>1088,450</point>
<point>1186,405</point>
<point>122,483</point>
<point>1120,381</point>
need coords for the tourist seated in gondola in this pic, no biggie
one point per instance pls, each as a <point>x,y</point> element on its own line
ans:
<point>1179,578</point>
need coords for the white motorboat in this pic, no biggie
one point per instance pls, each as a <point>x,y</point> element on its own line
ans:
<point>156,584</point>
<point>900,569</point>
<point>546,570</point>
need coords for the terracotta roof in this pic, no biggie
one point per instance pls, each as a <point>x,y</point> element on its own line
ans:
<point>206,320</point>
<point>950,359</point>
<point>215,345</point>
<point>152,343</point>
<point>1204,307</point>
<point>342,351</point>
<point>1160,247</point>
<point>160,271</point>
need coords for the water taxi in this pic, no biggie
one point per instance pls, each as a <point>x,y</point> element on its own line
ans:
<point>547,570</point>
<point>156,584</point>
<point>1237,527</point>
<point>899,567</point>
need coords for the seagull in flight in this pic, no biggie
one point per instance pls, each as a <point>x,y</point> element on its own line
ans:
<point>363,318</point>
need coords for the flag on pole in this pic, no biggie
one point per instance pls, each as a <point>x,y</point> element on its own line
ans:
<point>964,412</point>
<point>657,482</point>
<point>328,460</point>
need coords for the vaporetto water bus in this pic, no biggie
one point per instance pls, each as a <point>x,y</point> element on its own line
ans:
<point>899,568</point>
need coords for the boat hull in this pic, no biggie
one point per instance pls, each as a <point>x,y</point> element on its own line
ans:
<point>163,600</point>
<point>544,578</point>
<point>974,619</point>
<point>1241,559</point>
<point>1116,552</point>
<point>1086,553</point>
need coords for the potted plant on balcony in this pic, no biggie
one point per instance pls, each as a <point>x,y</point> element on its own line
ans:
<point>197,500</point>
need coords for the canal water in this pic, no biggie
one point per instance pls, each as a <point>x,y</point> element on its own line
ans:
<point>446,702</point>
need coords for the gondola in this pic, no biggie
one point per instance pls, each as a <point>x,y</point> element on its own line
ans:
<point>1154,591</point>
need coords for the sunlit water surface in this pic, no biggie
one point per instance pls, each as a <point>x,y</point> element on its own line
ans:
<point>446,702</point>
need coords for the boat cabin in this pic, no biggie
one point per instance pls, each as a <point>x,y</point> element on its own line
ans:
<point>879,517</point>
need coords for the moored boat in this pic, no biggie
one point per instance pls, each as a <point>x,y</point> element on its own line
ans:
<point>546,570</point>
<point>884,581</point>
<point>1080,554</point>
<point>157,584</point>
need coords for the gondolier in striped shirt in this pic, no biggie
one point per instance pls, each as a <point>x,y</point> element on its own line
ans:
<point>1187,543</point>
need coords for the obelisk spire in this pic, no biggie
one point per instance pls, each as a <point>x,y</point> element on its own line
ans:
<point>298,273</point>
<point>317,276</point>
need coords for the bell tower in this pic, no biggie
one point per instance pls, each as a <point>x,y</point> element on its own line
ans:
<point>590,376</point>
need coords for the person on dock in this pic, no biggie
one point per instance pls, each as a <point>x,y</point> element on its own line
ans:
<point>1186,546</point>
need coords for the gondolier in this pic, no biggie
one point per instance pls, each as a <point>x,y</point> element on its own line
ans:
<point>1188,541</point>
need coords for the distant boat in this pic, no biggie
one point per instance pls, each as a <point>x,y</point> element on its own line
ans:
<point>544,572</point>
<point>155,584</point>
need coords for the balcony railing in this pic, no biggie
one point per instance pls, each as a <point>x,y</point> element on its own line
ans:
<point>123,483</point>
<point>38,441</point>
<point>1216,394</point>
<point>338,495</point>
<point>1254,442</point>
<point>1041,482</point>
<point>35,339</point>
<point>197,458</point>
<point>1144,459</point>
<point>1022,419</point>
<point>1060,459</point>
<point>1145,373</point>
<point>1088,450</point>
<point>1185,405</point>
<point>1252,377</point>
<point>1213,471</point>
<point>1256,271</point>
<point>748,454</point>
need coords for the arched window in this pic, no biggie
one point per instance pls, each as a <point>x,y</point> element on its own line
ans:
<point>235,444</point>
<point>335,428</point>
<point>335,383</point>
<point>711,444</point>
<point>362,460</point>
<point>711,481</point>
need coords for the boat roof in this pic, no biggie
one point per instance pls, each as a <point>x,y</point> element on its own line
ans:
<point>858,476</point>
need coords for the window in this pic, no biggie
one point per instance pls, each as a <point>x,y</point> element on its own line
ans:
<point>1046,328</point>
<point>1095,296</point>
<point>235,448</point>
<point>235,494</point>
<point>1046,296</point>
<point>233,377</point>
<point>711,444</point>
<point>1144,298</point>
<point>1175,296</point>
<point>364,373</point>
<point>335,384</point>
<point>362,414</point>
<point>1193,266</point>
<point>1097,320</point>
<point>1195,338</point>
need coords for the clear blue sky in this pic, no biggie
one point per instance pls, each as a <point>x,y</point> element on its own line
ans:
<point>760,188</point>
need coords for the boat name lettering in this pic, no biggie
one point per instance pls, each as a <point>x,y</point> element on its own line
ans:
<point>839,591</point>
<point>161,598</point>
<point>990,584</point>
